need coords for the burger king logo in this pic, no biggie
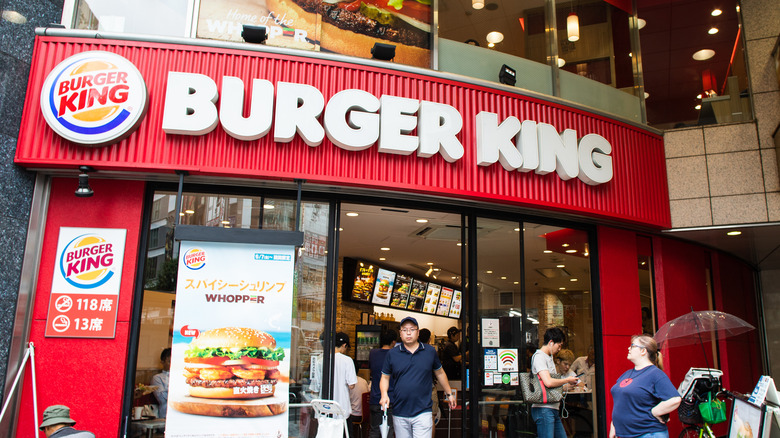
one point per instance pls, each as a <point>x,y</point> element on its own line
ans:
<point>87,261</point>
<point>195,259</point>
<point>94,98</point>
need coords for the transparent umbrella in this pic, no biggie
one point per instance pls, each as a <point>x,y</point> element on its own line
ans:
<point>697,327</point>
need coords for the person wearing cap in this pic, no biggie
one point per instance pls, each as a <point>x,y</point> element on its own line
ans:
<point>410,364</point>
<point>450,354</point>
<point>58,424</point>
<point>344,376</point>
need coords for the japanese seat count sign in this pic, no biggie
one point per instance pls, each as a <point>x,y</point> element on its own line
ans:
<point>230,364</point>
<point>85,284</point>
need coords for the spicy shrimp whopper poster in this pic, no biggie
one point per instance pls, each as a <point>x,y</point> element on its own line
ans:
<point>231,342</point>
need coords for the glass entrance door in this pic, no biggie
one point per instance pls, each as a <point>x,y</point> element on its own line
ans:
<point>531,277</point>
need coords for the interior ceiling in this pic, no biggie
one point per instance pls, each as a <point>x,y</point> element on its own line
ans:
<point>675,29</point>
<point>412,246</point>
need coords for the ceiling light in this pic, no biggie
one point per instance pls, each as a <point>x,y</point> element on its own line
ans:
<point>647,94</point>
<point>734,233</point>
<point>14,17</point>
<point>491,45</point>
<point>716,12</point>
<point>572,279</point>
<point>352,214</point>
<point>698,96</point>
<point>641,23</point>
<point>697,107</point>
<point>429,263</point>
<point>181,213</point>
<point>565,245</point>
<point>704,54</point>
<point>189,211</point>
<point>384,248</point>
<point>381,259</point>
<point>495,37</point>
<point>560,266</point>
<point>517,229</point>
<point>573,27</point>
<point>489,272</point>
<point>561,288</point>
<point>226,226</point>
<point>437,269</point>
<point>503,278</point>
<point>547,251</point>
<point>571,251</point>
<point>737,8</point>
<point>459,244</point>
<point>454,277</point>
<point>477,4</point>
<point>429,272</point>
<point>561,62</point>
<point>341,229</point>
<point>269,206</point>
<point>422,221</point>
<point>713,31</point>
<point>630,55</point>
<point>225,222</point>
<point>516,282</point>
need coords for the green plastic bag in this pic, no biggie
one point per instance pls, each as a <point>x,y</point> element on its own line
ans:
<point>713,411</point>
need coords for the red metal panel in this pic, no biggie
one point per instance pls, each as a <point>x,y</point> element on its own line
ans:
<point>95,366</point>
<point>638,192</point>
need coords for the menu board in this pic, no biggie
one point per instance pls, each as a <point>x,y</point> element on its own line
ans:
<point>400,295</point>
<point>417,296</point>
<point>383,287</point>
<point>431,298</point>
<point>443,309</point>
<point>364,282</point>
<point>457,303</point>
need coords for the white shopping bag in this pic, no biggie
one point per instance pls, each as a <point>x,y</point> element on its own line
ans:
<point>331,419</point>
<point>384,427</point>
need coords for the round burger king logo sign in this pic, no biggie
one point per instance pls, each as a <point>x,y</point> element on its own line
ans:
<point>195,259</point>
<point>94,98</point>
<point>87,261</point>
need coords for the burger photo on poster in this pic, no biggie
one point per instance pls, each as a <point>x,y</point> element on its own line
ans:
<point>232,363</point>
<point>352,27</point>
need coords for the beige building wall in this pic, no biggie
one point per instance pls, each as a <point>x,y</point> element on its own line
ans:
<point>728,174</point>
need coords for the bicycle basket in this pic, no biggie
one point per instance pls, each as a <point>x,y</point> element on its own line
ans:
<point>689,411</point>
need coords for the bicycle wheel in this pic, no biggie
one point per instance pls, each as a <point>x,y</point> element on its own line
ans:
<point>690,432</point>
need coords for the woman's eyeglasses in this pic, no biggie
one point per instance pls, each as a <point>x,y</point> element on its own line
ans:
<point>634,346</point>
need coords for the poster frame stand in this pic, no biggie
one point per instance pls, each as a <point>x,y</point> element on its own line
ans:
<point>29,354</point>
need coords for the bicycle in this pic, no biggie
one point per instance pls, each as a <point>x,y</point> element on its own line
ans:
<point>699,429</point>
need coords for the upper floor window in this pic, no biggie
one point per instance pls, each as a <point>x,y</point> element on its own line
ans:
<point>153,17</point>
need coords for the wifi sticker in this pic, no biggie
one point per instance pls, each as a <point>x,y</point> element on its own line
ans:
<point>507,360</point>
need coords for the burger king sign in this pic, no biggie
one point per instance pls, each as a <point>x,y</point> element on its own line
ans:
<point>94,98</point>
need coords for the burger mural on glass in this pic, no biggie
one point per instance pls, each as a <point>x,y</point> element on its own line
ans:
<point>228,364</point>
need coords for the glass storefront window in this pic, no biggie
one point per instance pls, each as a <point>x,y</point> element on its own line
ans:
<point>214,210</point>
<point>151,17</point>
<point>646,286</point>
<point>533,277</point>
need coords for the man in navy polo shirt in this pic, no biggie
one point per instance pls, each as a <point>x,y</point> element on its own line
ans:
<point>410,365</point>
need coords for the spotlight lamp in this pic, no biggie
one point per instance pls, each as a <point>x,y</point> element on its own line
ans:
<point>254,34</point>
<point>84,190</point>
<point>507,75</point>
<point>383,52</point>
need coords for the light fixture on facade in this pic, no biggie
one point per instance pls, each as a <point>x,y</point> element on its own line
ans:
<point>716,12</point>
<point>640,23</point>
<point>697,107</point>
<point>561,62</point>
<point>507,75</point>
<point>713,31</point>
<point>477,4</point>
<point>254,34</point>
<point>14,17</point>
<point>383,52</point>
<point>734,233</point>
<point>84,190</point>
<point>703,54</point>
<point>573,27</point>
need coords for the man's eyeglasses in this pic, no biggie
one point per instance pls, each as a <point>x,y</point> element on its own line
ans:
<point>408,330</point>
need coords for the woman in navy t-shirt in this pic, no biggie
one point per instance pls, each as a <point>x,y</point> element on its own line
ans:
<point>643,395</point>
